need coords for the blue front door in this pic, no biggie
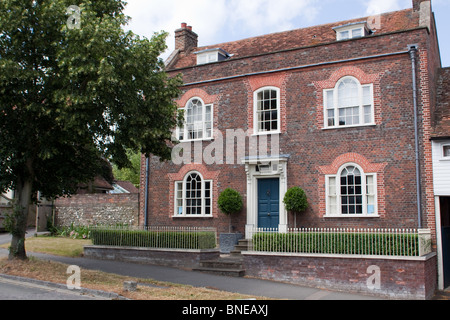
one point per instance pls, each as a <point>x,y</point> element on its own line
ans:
<point>268,203</point>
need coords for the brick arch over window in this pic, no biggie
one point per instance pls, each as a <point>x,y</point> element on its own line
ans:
<point>363,79</point>
<point>206,175</point>
<point>366,166</point>
<point>199,93</point>
<point>254,83</point>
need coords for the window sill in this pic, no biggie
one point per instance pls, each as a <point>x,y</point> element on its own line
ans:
<point>353,126</point>
<point>352,216</point>
<point>197,140</point>
<point>193,217</point>
<point>266,133</point>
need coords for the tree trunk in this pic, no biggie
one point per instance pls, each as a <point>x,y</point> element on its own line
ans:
<point>20,217</point>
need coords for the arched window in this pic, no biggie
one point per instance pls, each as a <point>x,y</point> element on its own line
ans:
<point>351,192</point>
<point>193,196</point>
<point>198,121</point>
<point>267,110</point>
<point>349,104</point>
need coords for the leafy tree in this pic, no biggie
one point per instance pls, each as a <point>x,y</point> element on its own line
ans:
<point>132,172</point>
<point>76,89</point>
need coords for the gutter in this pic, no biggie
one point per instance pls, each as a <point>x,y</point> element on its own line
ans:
<point>320,64</point>
<point>147,175</point>
<point>300,48</point>
<point>412,49</point>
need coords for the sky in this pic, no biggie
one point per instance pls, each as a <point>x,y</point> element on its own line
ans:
<point>218,21</point>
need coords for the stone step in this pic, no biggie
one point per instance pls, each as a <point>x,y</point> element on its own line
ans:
<point>222,272</point>
<point>221,264</point>
<point>225,266</point>
<point>242,246</point>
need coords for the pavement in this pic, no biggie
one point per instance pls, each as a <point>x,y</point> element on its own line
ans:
<point>249,286</point>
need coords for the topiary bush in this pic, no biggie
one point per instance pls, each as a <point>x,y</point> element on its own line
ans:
<point>230,202</point>
<point>295,201</point>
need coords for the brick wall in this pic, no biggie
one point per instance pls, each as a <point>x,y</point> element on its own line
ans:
<point>388,277</point>
<point>91,209</point>
<point>188,259</point>
<point>388,146</point>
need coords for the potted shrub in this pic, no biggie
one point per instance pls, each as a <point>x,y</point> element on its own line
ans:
<point>230,203</point>
<point>295,201</point>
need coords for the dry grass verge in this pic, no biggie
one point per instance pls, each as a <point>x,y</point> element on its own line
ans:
<point>57,272</point>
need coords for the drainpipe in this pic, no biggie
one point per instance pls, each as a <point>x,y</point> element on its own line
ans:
<point>412,53</point>
<point>147,173</point>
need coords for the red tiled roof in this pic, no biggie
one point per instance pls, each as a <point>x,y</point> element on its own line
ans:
<point>299,38</point>
<point>128,185</point>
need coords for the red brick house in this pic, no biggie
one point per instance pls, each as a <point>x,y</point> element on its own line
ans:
<point>329,108</point>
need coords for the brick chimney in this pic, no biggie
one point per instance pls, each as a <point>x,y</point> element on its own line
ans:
<point>185,38</point>
<point>416,4</point>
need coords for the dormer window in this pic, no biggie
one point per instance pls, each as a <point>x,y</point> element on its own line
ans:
<point>211,55</point>
<point>352,31</point>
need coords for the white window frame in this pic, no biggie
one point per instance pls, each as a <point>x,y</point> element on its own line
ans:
<point>351,30</point>
<point>207,57</point>
<point>333,191</point>
<point>211,56</point>
<point>204,121</point>
<point>256,130</point>
<point>180,211</point>
<point>443,156</point>
<point>336,107</point>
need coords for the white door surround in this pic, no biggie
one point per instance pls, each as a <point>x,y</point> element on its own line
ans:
<point>263,168</point>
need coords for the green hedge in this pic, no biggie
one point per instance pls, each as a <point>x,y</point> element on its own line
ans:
<point>153,239</point>
<point>338,243</point>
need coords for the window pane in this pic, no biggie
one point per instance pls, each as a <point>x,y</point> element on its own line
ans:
<point>331,118</point>
<point>345,35</point>
<point>367,104</point>
<point>194,119</point>
<point>201,59</point>
<point>330,99</point>
<point>367,96</point>
<point>348,93</point>
<point>370,190</point>
<point>368,114</point>
<point>179,198</point>
<point>357,33</point>
<point>332,186</point>
<point>267,110</point>
<point>332,198</point>
<point>348,116</point>
<point>351,191</point>
<point>193,194</point>
<point>446,151</point>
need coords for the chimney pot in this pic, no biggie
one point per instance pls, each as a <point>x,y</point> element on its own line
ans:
<point>185,38</point>
<point>416,4</point>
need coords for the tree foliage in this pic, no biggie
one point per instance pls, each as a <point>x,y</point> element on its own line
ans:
<point>295,200</point>
<point>230,201</point>
<point>131,173</point>
<point>72,97</point>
